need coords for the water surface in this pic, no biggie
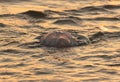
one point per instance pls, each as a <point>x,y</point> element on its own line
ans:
<point>21,61</point>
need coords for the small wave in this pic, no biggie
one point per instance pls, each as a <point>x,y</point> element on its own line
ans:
<point>7,15</point>
<point>103,35</point>
<point>111,6</point>
<point>66,22</point>
<point>107,71</point>
<point>96,37</point>
<point>42,71</point>
<point>35,14</point>
<point>96,80</point>
<point>2,25</point>
<point>98,56</point>
<point>92,8</point>
<point>14,65</point>
<point>112,65</point>
<point>9,1</point>
<point>103,19</point>
<point>7,73</point>
<point>54,12</point>
<point>10,51</point>
<point>31,45</point>
<point>89,9</point>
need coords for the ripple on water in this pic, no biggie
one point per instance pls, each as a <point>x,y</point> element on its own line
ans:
<point>25,60</point>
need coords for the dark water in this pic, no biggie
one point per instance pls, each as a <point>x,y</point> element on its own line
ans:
<point>21,21</point>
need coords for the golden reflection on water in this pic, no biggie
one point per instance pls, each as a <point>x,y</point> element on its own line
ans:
<point>91,63</point>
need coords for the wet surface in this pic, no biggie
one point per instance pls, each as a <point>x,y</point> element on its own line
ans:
<point>22,59</point>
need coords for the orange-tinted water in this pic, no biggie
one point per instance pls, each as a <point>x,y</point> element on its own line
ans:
<point>98,62</point>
